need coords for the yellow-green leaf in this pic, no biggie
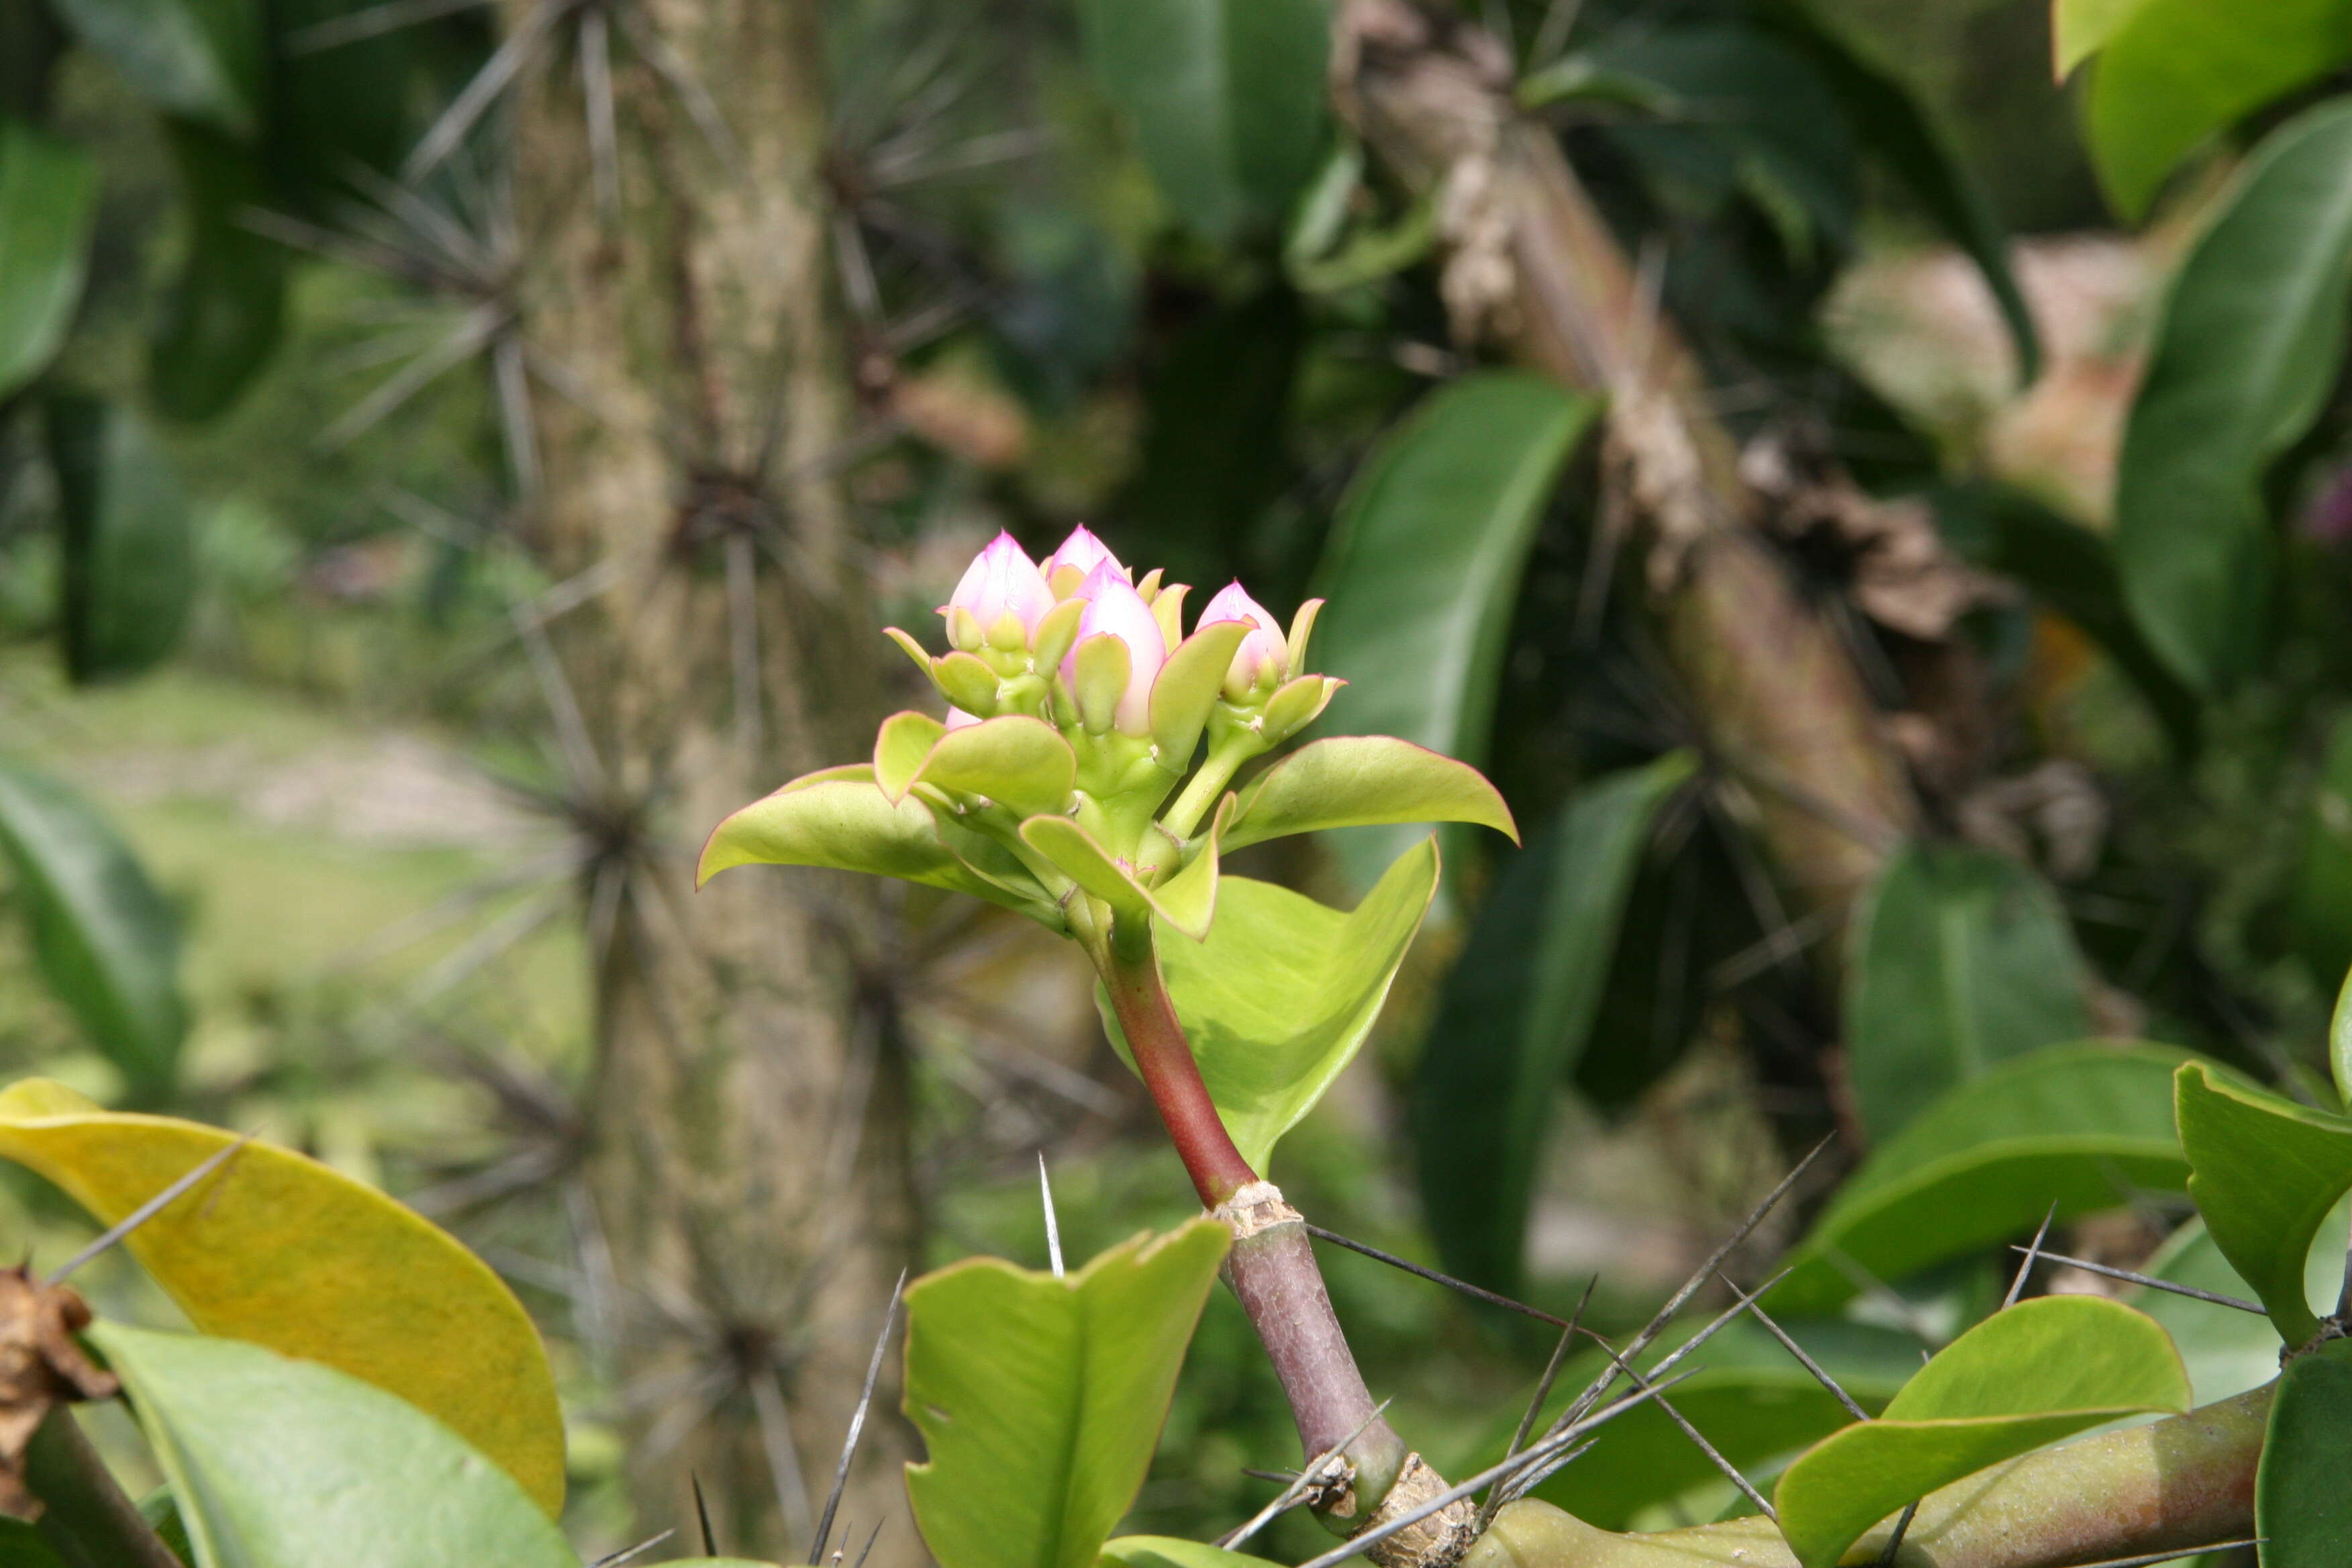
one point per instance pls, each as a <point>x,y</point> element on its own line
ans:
<point>280,1250</point>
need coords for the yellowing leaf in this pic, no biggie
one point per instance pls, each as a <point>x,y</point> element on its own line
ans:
<point>278,1249</point>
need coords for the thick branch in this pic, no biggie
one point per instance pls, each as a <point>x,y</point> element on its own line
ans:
<point>86,1517</point>
<point>1531,262</point>
<point>2172,1485</point>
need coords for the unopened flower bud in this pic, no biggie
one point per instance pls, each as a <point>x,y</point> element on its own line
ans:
<point>1076,559</point>
<point>1002,595</point>
<point>1114,609</point>
<point>1263,659</point>
<point>959,720</point>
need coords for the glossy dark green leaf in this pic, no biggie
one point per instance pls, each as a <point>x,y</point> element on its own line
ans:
<point>2176,72</point>
<point>1227,100</point>
<point>2319,901</point>
<point>1896,131</point>
<point>198,58</point>
<point>1424,565</point>
<point>48,200</point>
<point>105,938</point>
<point>1960,959</point>
<point>223,314</point>
<point>2037,1371</point>
<point>2303,1509</point>
<point>278,1463</point>
<point>21,1546</point>
<point>1516,1014</point>
<point>2265,1173</point>
<point>1285,991</point>
<point>2247,345</point>
<point>1040,1399</point>
<point>130,551</point>
<point>2079,1125</point>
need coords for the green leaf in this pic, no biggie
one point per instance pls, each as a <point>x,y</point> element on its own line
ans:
<point>1018,762</point>
<point>1352,781</point>
<point>281,1463</point>
<point>2319,899</point>
<point>901,746</point>
<point>1227,98</point>
<point>1891,126</point>
<point>280,1250</point>
<point>2081,28</point>
<point>2339,1028</point>
<point>2079,1124</point>
<point>21,1546</point>
<point>1424,565</point>
<point>2303,1510</point>
<point>2265,1173</point>
<point>2229,1351</point>
<point>1172,1552</point>
<point>1040,1400</point>
<point>1187,902</point>
<point>1186,688</point>
<point>223,314</point>
<point>840,819</point>
<point>2246,348</point>
<point>198,59</point>
<point>106,940</point>
<point>2175,72</point>
<point>1283,993</point>
<point>1960,958</point>
<point>130,551</point>
<point>2037,1371</point>
<point>1516,1014</point>
<point>48,203</point>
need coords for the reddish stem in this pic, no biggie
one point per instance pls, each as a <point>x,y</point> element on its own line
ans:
<point>1164,1059</point>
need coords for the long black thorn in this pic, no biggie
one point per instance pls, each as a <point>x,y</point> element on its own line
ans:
<point>1529,1479</point>
<point>2016,1285</point>
<point>1284,1476</point>
<point>1894,1542</point>
<point>631,1553</point>
<point>2152,1283</point>
<point>1821,1373</point>
<point>702,1513</point>
<point>1475,1292</point>
<point>858,1421</point>
<point>1540,1455</point>
<point>872,1536</point>
<point>1706,1270</point>
<point>150,1209</point>
<point>1698,1440</point>
<point>1585,1401</point>
<point>1543,1391</point>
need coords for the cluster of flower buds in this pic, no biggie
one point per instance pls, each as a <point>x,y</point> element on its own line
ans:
<point>1077,641</point>
<point>1077,706</point>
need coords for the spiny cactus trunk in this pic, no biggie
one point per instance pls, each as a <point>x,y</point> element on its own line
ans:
<point>749,1164</point>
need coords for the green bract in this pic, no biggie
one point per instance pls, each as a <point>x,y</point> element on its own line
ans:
<point>1083,774</point>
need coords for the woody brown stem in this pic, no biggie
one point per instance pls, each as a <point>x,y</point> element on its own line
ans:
<point>1271,1267</point>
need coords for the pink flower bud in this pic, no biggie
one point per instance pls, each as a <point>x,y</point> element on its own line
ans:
<point>1002,582</point>
<point>1115,609</point>
<point>1262,656</point>
<point>1076,559</point>
<point>959,720</point>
